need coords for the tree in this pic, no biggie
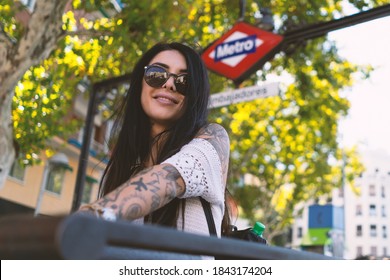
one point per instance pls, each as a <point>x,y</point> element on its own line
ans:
<point>287,143</point>
<point>284,149</point>
<point>20,48</point>
<point>59,45</point>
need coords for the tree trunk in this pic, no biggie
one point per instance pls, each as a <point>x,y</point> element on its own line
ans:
<point>7,153</point>
<point>43,31</point>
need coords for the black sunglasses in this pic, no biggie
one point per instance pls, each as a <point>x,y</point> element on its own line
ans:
<point>156,76</point>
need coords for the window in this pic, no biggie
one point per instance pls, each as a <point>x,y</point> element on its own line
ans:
<point>87,192</point>
<point>29,4</point>
<point>372,190</point>
<point>373,230</point>
<point>359,251</point>
<point>299,233</point>
<point>359,230</point>
<point>17,171</point>
<point>372,210</point>
<point>341,192</point>
<point>373,251</point>
<point>384,251</point>
<point>384,232</point>
<point>383,211</point>
<point>299,214</point>
<point>383,191</point>
<point>88,189</point>
<point>55,179</point>
<point>358,210</point>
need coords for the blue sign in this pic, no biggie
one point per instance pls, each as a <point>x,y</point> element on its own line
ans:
<point>326,216</point>
<point>241,46</point>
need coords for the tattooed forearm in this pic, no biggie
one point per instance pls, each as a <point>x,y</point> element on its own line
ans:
<point>145,192</point>
<point>132,211</point>
<point>130,205</point>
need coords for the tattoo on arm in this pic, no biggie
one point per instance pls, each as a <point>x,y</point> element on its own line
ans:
<point>218,137</point>
<point>173,180</point>
<point>140,184</point>
<point>147,191</point>
<point>134,210</point>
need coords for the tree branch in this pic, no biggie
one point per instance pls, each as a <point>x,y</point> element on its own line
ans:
<point>89,33</point>
<point>43,31</point>
<point>41,35</point>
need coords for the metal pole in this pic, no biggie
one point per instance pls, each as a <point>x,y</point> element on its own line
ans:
<point>42,189</point>
<point>242,10</point>
<point>93,102</point>
<point>84,152</point>
<point>322,28</point>
<point>343,183</point>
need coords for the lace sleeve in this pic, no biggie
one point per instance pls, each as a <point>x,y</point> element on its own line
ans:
<point>200,167</point>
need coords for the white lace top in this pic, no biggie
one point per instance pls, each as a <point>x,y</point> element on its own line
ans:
<point>199,165</point>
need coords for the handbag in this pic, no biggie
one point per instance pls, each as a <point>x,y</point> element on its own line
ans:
<point>245,234</point>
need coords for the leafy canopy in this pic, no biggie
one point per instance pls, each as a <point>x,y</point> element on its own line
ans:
<point>284,149</point>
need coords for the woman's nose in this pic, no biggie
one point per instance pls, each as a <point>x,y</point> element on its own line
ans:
<point>170,84</point>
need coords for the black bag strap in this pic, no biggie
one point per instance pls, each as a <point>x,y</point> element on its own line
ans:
<point>209,216</point>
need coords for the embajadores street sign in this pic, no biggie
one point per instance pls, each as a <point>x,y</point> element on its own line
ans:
<point>243,94</point>
<point>241,51</point>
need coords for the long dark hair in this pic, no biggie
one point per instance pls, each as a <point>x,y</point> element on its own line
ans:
<point>132,128</point>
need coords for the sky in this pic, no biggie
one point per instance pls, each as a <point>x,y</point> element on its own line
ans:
<point>368,122</point>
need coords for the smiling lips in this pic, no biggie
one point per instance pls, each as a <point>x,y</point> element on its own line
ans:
<point>166,98</point>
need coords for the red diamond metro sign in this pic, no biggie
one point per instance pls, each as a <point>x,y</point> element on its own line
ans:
<point>241,51</point>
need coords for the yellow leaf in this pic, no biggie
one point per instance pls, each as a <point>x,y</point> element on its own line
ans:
<point>5,8</point>
<point>207,8</point>
<point>49,153</point>
<point>191,15</point>
<point>39,71</point>
<point>76,3</point>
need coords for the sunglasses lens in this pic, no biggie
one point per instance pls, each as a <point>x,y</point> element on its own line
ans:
<point>181,84</point>
<point>156,76</point>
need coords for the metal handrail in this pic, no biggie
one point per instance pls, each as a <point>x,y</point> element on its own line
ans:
<point>82,236</point>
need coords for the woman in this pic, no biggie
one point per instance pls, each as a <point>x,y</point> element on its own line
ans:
<point>166,154</point>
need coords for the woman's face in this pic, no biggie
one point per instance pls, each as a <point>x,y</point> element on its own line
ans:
<point>164,105</point>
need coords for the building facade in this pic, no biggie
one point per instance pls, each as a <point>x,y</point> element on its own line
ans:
<point>49,188</point>
<point>361,228</point>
